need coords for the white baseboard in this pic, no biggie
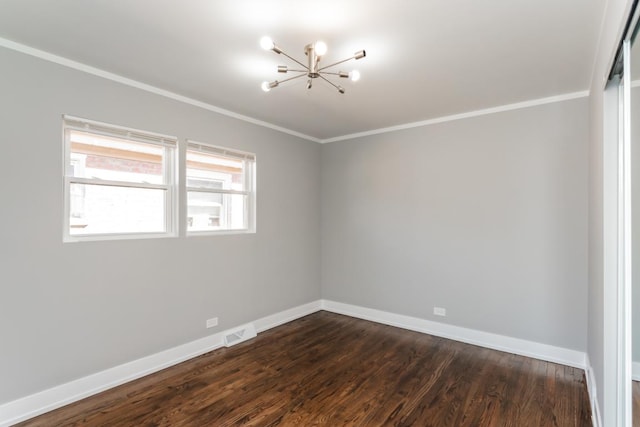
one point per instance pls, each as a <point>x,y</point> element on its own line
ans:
<point>593,394</point>
<point>635,371</point>
<point>522,347</point>
<point>56,397</point>
<point>287,316</point>
<point>47,400</point>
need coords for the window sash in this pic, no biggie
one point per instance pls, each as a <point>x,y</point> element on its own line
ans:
<point>168,156</point>
<point>169,173</point>
<point>248,191</point>
<point>127,214</point>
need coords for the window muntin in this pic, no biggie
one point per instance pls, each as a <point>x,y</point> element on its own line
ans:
<point>119,183</point>
<point>220,189</point>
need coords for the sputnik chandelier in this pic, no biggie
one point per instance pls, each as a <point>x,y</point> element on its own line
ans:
<point>315,52</point>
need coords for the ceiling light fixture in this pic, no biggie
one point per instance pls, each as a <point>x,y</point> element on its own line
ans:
<point>314,51</point>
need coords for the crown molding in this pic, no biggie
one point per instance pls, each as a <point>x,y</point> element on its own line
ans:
<point>476,113</point>
<point>79,66</point>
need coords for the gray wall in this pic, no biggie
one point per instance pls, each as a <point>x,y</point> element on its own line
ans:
<point>486,217</point>
<point>69,310</point>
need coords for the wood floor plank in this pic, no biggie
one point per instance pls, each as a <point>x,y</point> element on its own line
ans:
<point>331,370</point>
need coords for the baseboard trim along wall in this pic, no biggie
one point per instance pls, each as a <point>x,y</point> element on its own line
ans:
<point>287,316</point>
<point>536,350</point>
<point>635,371</point>
<point>593,395</point>
<point>47,400</point>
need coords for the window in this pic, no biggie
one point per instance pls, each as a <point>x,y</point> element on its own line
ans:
<point>119,182</point>
<point>220,189</point>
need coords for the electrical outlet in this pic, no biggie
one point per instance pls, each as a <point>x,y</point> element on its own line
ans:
<point>439,311</point>
<point>212,322</point>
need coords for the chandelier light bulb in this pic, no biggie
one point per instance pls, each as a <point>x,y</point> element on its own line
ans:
<point>355,75</point>
<point>266,43</point>
<point>321,48</point>
<point>265,86</point>
<point>360,54</point>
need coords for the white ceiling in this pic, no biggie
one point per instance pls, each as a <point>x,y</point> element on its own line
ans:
<point>425,58</point>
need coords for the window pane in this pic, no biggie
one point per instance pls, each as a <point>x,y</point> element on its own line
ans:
<point>206,170</point>
<point>107,158</point>
<point>102,209</point>
<point>215,211</point>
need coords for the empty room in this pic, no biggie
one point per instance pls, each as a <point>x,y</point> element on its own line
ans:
<point>319,213</point>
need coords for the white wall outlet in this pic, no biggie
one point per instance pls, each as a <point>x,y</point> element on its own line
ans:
<point>439,311</point>
<point>212,322</point>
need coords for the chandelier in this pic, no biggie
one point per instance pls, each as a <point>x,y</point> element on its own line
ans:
<point>313,70</point>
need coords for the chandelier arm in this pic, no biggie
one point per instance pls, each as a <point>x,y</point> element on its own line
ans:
<point>298,71</point>
<point>330,72</point>
<point>340,89</point>
<point>294,60</point>
<point>292,78</point>
<point>335,63</point>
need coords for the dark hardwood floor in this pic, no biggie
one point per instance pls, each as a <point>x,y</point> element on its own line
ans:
<point>331,370</point>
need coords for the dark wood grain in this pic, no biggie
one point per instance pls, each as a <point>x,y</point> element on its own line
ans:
<point>331,370</point>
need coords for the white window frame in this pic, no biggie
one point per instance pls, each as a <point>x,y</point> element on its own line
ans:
<point>170,143</point>
<point>249,191</point>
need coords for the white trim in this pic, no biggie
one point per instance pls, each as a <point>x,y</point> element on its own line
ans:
<point>18,47</point>
<point>143,86</point>
<point>110,183</point>
<point>609,389</point>
<point>218,150</point>
<point>476,113</point>
<point>635,371</point>
<point>624,248</point>
<point>593,395</point>
<point>287,316</point>
<point>116,131</point>
<point>48,400</point>
<point>519,346</point>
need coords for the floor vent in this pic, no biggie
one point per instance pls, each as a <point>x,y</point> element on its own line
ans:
<point>240,334</point>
